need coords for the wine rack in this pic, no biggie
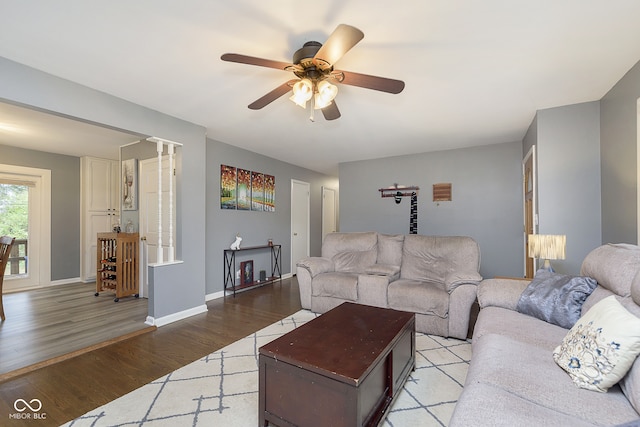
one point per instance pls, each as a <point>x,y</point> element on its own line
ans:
<point>118,267</point>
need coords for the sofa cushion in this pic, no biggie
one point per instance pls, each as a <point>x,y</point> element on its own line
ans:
<point>419,297</point>
<point>614,266</point>
<point>335,243</point>
<point>511,324</point>
<point>354,262</point>
<point>485,405</point>
<point>556,298</point>
<point>630,385</point>
<point>529,371</point>
<point>390,249</point>
<point>433,258</point>
<point>601,347</point>
<point>635,288</point>
<point>337,285</point>
<point>351,252</point>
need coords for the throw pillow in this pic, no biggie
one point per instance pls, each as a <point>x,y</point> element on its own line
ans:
<point>556,298</point>
<point>601,347</point>
<point>390,249</point>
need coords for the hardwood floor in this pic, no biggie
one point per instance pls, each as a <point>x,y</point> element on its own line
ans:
<point>72,387</point>
<point>45,324</point>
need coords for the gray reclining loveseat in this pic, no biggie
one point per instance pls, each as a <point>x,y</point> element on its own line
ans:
<point>433,276</point>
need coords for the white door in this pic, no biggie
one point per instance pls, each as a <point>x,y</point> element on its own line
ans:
<point>328,211</point>
<point>100,209</point>
<point>299,221</point>
<point>37,259</point>
<point>148,211</point>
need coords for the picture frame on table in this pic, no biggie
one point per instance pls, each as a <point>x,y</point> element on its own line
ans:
<point>246,272</point>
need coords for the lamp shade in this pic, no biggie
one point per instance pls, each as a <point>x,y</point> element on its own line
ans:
<point>547,246</point>
<point>325,95</point>
<point>302,92</point>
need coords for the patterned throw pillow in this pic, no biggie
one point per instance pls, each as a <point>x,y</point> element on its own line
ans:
<point>601,347</point>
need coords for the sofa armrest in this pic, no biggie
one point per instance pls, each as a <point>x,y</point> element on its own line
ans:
<point>390,271</point>
<point>503,293</point>
<point>316,265</point>
<point>457,278</point>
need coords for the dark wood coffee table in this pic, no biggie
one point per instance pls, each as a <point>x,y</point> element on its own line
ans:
<point>343,368</point>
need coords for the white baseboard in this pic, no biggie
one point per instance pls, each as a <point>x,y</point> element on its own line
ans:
<point>215,295</point>
<point>66,281</point>
<point>165,320</point>
<point>220,294</point>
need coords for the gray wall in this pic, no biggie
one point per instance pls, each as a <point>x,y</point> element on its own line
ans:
<point>32,88</point>
<point>256,227</point>
<point>486,199</point>
<point>65,204</point>
<point>618,145</point>
<point>568,155</point>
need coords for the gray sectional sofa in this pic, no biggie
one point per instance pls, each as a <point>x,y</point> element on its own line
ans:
<point>513,378</point>
<point>435,277</point>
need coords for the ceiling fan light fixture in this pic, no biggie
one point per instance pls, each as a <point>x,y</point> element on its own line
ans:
<point>325,95</point>
<point>302,92</point>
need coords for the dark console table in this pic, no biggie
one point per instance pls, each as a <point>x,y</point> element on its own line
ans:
<point>230,268</point>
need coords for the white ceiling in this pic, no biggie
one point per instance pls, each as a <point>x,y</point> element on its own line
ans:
<point>475,71</point>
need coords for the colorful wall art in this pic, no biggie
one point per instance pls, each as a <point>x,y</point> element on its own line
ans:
<point>228,179</point>
<point>245,190</point>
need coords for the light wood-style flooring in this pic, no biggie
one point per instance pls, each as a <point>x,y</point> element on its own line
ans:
<point>45,324</point>
<point>77,385</point>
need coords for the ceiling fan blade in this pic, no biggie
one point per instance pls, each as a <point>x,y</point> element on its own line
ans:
<point>369,82</point>
<point>272,96</point>
<point>343,38</point>
<point>331,112</point>
<point>251,60</point>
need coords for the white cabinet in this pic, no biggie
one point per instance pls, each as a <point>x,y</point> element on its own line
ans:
<point>100,208</point>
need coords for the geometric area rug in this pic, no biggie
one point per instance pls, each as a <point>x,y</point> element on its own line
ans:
<point>221,389</point>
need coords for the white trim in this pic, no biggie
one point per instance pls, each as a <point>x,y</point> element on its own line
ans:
<point>534,182</point>
<point>638,171</point>
<point>162,264</point>
<point>334,213</point>
<point>308,230</point>
<point>165,320</point>
<point>66,281</point>
<point>221,294</point>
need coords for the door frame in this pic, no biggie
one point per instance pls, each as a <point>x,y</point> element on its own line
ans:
<point>638,171</point>
<point>324,213</point>
<point>39,248</point>
<point>144,248</point>
<point>308,222</point>
<point>534,203</point>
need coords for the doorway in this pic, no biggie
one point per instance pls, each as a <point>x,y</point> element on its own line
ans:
<point>329,212</point>
<point>300,197</point>
<point>148,226</point>
<point>36,247</point>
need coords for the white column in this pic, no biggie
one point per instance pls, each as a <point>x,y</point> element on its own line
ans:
<point>171,255</point>
<point>159,148</point>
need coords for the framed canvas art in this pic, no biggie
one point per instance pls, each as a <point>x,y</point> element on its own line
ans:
<point>246,272</point>
<point>228,179</point>
<point>130,185</point>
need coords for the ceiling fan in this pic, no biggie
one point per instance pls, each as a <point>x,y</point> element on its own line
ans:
<point>313,67</point>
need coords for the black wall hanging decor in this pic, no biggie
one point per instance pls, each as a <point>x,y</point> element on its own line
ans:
<point>400,191</point>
